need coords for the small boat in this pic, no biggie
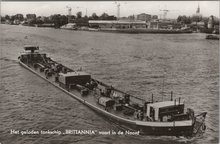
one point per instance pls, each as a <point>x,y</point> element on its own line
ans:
<point>69,26</point>
<point>129,112</point>
<point>215,31</point>
<point>212,37</point>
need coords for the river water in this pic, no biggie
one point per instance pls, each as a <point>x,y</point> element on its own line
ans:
<point>140,64</point>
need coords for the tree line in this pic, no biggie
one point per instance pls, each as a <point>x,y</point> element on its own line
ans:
<point>57,19</point>
<point>188,20</point>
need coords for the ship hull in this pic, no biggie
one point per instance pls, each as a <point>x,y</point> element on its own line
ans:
<point>135,31</point>
<point>177,128</point>
<point>212,37</point>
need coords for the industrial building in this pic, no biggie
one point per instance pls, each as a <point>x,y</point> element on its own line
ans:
<point>144,17</point>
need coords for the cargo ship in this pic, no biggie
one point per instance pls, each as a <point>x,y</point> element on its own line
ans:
<point>146,30</point>
<point>132,27</point>
<point>129,112</point>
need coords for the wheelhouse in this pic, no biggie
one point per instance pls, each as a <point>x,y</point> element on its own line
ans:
<point>165,111</point>
<point>31,55</point>
<point>31,48</point>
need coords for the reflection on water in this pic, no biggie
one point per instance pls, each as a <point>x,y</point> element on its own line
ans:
<point>140,64</point>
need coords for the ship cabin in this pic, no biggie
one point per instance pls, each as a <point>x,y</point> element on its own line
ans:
<point>31,48</point>
<point>30,55</point>
<point>166,111</point>
<point>69,79</point>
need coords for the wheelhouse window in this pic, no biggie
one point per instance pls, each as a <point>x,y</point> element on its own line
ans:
<point>152,112</point>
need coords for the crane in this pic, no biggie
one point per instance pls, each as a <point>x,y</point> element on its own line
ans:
<point>165,11</point>
<point>69,13</point>
<point>118,9</point>
<point>69,10</point>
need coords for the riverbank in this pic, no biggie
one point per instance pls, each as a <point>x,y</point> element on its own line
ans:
<point>129,31</point>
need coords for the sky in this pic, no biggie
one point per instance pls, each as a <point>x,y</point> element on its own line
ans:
<point>127,8</point>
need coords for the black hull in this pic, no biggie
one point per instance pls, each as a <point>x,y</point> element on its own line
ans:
<point>145,128</point>
<point>150,31</point>
<point>214,38</point>
<point>149,130</point>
